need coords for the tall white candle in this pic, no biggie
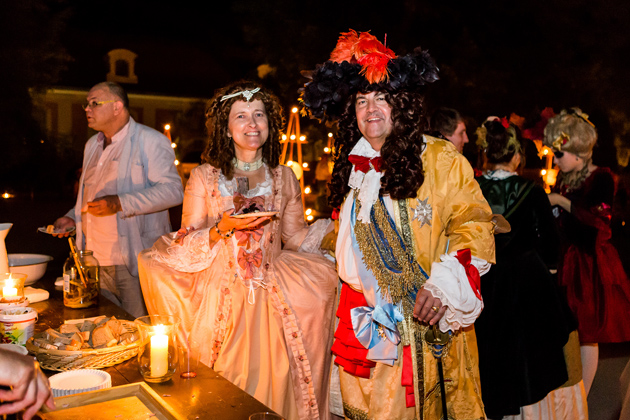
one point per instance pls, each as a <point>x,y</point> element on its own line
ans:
<point>159,352</point>
<point>8,291</point>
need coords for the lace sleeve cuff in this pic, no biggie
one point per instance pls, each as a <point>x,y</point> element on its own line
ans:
<point>193,254</point>
<point>313,240</point>
<point>449,283</point>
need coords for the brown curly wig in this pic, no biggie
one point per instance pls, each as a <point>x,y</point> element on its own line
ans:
<point>401,162</point>
<point>220,149</point>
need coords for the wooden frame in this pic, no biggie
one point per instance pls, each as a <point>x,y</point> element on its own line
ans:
<point>124,402</point>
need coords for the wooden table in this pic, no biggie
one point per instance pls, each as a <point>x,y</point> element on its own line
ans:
<point>208,396</point>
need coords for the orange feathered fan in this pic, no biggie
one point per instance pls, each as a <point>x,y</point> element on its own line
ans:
<point>365,50</point>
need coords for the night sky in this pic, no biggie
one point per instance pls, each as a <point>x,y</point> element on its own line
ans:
<point>495,57</point>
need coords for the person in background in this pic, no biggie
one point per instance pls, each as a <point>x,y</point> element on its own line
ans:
<point>519,371</point>
<point>28,386</point>
<point>448,124</point>
<point>128,183</point>
<point>415,234</point>
<point>590,271</point>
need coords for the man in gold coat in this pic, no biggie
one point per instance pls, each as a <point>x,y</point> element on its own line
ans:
<point>415,234</point>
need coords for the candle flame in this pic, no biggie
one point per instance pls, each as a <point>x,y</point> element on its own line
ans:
<point>159,329</point>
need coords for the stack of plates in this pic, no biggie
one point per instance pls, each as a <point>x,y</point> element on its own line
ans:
<point>77,381</point>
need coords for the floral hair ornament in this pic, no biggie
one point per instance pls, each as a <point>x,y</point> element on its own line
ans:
<point>361,63</point>
<point>578,113</point>
<point>560,141</point>
<point>247,94</point>
<point>481,133</point>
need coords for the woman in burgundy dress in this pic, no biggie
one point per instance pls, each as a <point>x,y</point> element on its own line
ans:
<point>598,289</point>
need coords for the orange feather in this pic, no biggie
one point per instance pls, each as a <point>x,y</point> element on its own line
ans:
<point>365,50</point>
<point>345,47</point>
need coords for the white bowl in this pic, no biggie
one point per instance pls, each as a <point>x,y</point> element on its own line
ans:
<point>33,265</point>
<point>77,381</point>
<point>16,348</point>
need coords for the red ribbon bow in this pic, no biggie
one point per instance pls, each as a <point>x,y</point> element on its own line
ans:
<point>363,164</point>
<point>241,202</point>
<point>242,236</point>
<point>246,260</point>
<point>464,258</point>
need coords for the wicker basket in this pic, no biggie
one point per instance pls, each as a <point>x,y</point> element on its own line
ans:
<point>62,360</point>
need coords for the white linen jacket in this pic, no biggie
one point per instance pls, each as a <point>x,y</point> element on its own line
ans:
<point>147,184</point>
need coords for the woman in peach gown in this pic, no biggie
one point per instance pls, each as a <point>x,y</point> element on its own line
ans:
<point>256,292</point>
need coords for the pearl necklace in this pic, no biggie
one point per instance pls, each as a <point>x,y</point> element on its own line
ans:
<point>248,166</point>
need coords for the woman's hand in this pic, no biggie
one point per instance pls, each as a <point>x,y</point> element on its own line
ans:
<point>228,223</point>
<point>182,233</point>
<point>559,200</point>
<point>428,309</point>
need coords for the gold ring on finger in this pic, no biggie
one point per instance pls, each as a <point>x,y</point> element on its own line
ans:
<point>435,308</point>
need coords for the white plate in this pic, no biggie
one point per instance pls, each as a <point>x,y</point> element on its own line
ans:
<point>255,214</point>
<point>80,380</point>
<point>56,231</point>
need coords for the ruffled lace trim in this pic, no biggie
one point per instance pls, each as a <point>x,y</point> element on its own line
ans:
<point>313,239</point>
<point>499,174</point>
<point>193,254</point>
<point>295,342</point>
<point>449,283</point>
<point>227,188</point>
<point>369,184</point>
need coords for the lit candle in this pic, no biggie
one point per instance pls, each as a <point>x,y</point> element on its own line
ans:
<point>9,292</point>
<point>159,352</point>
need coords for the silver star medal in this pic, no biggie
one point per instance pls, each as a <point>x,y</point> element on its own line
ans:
<point>423,212</point>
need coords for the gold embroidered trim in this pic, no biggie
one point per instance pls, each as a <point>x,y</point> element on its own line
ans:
<point>394,285</point>
<point>354,413</point>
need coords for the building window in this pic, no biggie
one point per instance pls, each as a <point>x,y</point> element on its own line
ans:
<point>122,66</point>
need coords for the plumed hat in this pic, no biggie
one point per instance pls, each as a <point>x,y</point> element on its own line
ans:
<point>361,63</point>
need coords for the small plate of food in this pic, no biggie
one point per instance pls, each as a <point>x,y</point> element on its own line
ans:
<point>50,229</point>
<point>254,214</point>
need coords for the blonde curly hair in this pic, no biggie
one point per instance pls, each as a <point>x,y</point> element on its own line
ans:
<point>571,131</point>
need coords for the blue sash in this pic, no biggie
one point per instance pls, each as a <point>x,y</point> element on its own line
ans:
<point>374,325</point>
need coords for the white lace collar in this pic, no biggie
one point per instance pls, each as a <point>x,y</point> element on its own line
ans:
<point>227,188</point>
<point>499,174</point>
<point>369,183</point>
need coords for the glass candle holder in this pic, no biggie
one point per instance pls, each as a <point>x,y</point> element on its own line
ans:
<point>157,355</point>
<point>12,287</point>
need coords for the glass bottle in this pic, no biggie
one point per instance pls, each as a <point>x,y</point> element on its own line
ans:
<point>81,284</point>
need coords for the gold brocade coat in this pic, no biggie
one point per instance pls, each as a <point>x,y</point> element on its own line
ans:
<point>460,219</point>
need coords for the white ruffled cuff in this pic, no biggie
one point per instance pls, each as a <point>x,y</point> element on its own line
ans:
<point>192,255</point>
<point>449,283</point>
<point>313,240</point>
